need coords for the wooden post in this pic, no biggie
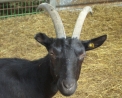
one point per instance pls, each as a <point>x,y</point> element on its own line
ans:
<point>53,3</point>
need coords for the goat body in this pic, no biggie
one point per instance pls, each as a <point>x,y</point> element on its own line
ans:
<point>20,78</point>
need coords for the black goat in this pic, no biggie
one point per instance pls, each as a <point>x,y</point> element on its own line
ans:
<point>59,70</point>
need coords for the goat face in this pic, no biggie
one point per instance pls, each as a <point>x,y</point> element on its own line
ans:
<point>66,57</point>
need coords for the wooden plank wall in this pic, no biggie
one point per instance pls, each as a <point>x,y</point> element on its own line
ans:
<point>66,3</point>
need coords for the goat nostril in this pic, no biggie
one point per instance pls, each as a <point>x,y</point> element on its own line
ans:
<point>68,85</point>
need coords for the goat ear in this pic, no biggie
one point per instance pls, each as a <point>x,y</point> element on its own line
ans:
<point>43,39</point>
<point>94,43</point>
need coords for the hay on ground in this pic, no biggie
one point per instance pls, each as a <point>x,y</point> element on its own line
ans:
<point>101,74</point>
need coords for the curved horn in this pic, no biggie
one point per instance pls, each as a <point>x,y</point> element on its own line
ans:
<point>59,28</point>
<point>80,21</point>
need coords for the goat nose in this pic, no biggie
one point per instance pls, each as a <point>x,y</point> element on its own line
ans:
<point>68,83</point>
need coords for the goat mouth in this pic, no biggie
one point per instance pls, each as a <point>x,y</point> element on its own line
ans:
<point>67,89</point>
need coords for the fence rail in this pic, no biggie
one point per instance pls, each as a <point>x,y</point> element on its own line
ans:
<point>3,1</point>
<point>62,3</point>
<point>85,2</point>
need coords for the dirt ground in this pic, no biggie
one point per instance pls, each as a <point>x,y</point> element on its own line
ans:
<point>101,74</point>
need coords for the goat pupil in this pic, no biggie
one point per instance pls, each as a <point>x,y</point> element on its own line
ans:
<point>51,53</point>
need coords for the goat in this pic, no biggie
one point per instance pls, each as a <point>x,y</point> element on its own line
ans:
<point>58,71</point>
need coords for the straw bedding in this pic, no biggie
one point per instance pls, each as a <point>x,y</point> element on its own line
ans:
<point>101,74</point>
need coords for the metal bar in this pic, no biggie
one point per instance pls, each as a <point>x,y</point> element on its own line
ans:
<point>29,7</point>
<point>3,8</point>
<point>7,8</point>
<point>18,8</point>
<point>1,17</point>
<point>11,10</point>
<point>2,1</point>
<point>25,7</point>
<point>14,9</point>
<point>22,7</point>
<point>32,5</point>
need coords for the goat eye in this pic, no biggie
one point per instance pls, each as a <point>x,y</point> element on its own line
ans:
<point>51,53</point>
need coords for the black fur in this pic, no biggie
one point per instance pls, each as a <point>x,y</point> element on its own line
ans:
<point>59,70</point>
